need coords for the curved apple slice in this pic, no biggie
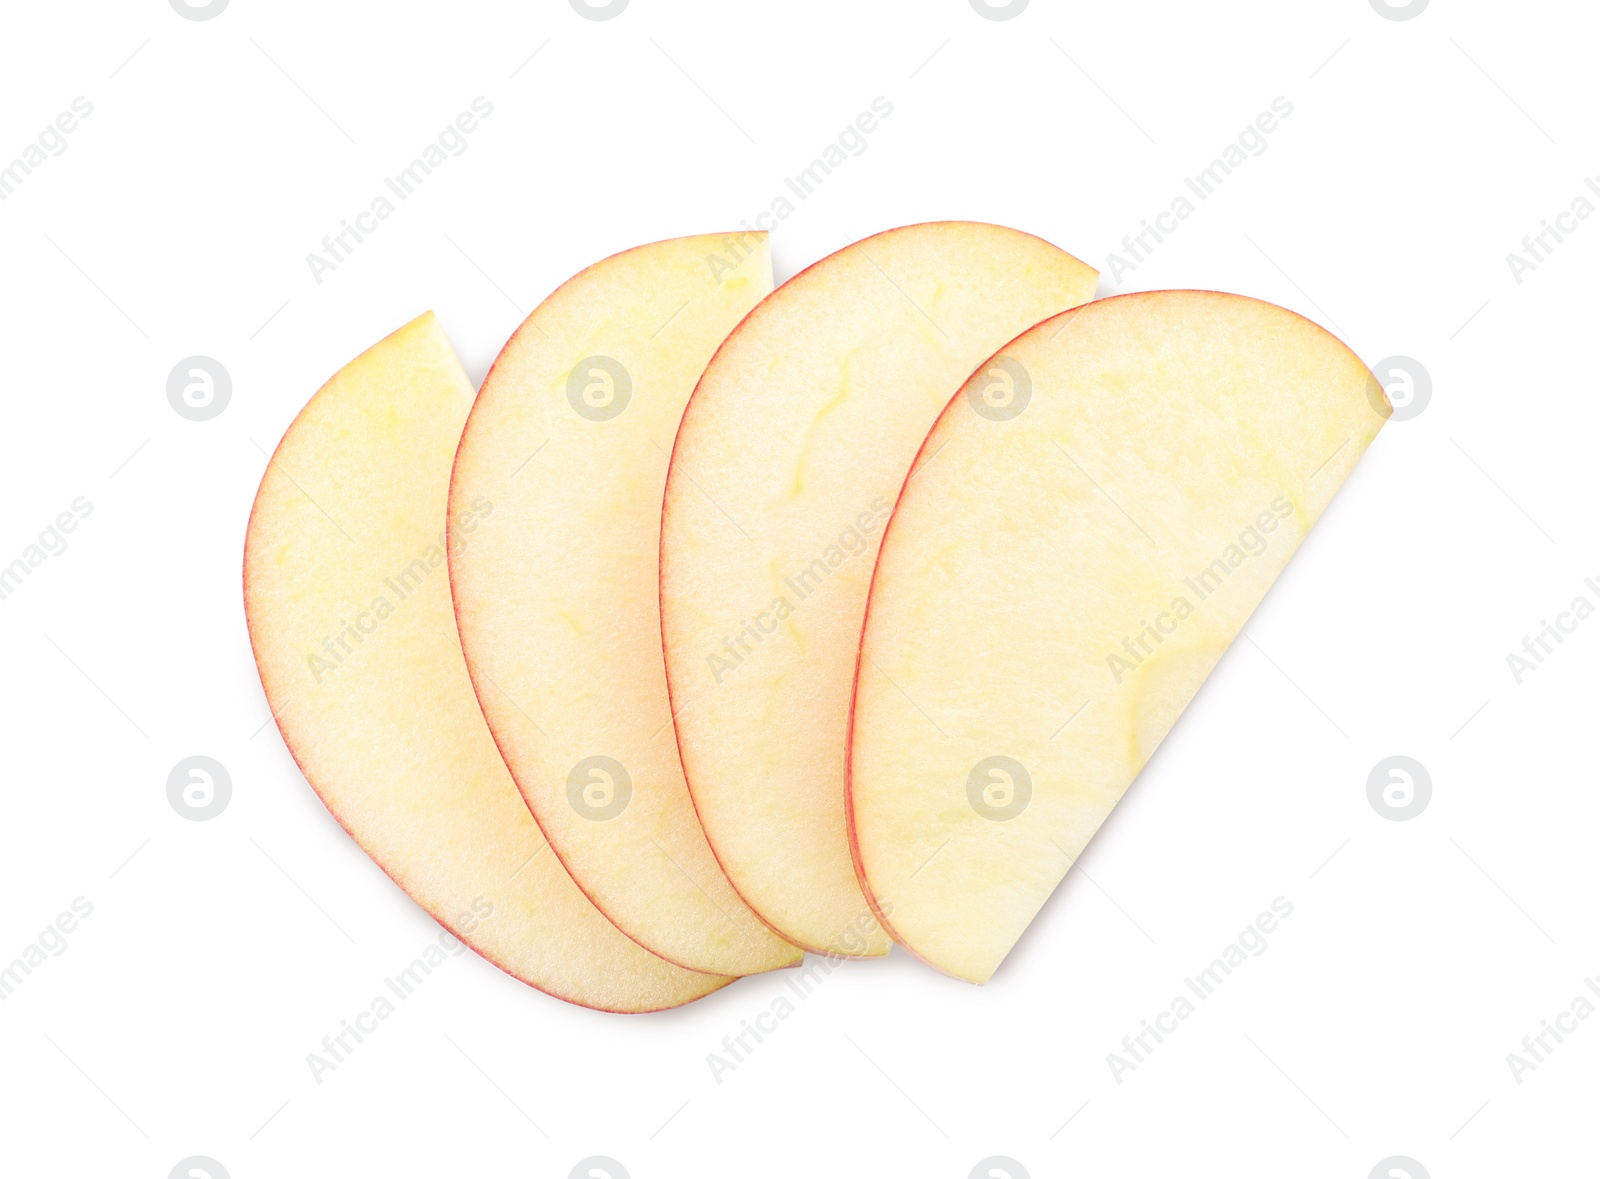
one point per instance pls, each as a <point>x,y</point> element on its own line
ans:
<point>558,601</point>
<point>1060,574</point>
<point>785,467</point>
<point>348,605</point>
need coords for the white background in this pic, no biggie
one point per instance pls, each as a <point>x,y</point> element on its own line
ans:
<point>178,220</point>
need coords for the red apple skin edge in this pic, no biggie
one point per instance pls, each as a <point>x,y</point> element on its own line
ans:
<point>672,698</point>
<point>446,922</point>
<point>672,694</point>
<point>478,689</point>
<point>850,730</point>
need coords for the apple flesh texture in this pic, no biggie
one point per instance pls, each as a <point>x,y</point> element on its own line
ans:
<point>557,595</point>
<point>789,456</point>
<point>346,540</point>
<point>1175,450</point>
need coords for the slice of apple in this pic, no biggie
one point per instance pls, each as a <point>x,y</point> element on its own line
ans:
<point>785,467</point>
<point>1062,570</point>
<point>558,601</point>
<point>348,606</point>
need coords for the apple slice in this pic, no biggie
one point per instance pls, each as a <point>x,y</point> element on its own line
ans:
<point>348,605</point>
<point>1061,572</point>
<point>789,456</point>
<point>558,601</point>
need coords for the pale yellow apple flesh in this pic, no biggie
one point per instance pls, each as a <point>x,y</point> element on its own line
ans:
<point>349,610</point>
<point>557,596</point>
<point>1060,574</point>
<point>789,457</point>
